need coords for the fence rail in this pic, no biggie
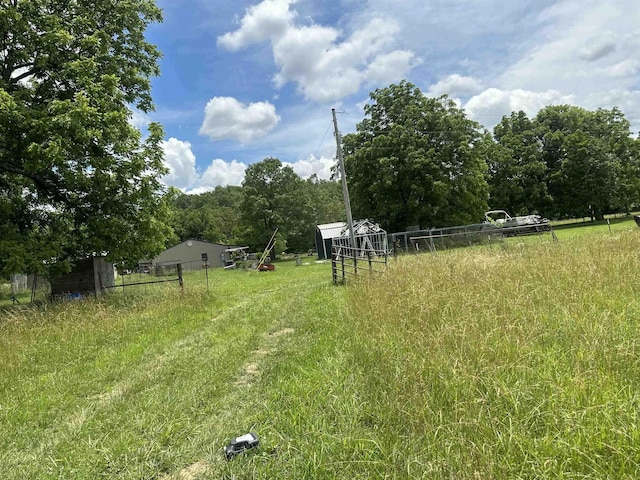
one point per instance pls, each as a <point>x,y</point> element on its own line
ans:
<point>168,273</point>
<point>350,262</point>
<point>463,236</point>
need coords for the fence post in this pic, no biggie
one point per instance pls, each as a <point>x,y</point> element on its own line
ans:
<point>369,259</point>
<point>354,252</point>
<point>179,268</point>
<point>342,262</point>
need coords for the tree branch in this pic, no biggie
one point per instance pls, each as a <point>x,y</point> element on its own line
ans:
<point>26,74</point>
<point>50,188</point>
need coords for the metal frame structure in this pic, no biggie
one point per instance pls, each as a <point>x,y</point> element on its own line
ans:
<point>370,253</point>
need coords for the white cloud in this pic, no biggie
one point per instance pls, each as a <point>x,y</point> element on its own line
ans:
<point>456,86</point>
<point>326,69</point>
<point>597,49</point>
<point>581,47</point>
<point>390,67</point>
<point>268,19</point>
<point>139,119</point>
<point>183,174</point>
<point>227,118</point>
<point>313,166</point>
<point>490,106</point>
<point>222,173</point>
<point>323,62</point>
<point>181,162</point>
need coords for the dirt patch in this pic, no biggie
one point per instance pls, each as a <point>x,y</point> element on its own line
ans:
<point>116,393</point>
<point>284,331</point>
<point>78,420</point>
<point>193,471</point>
<point>251,369</point>
<point>189,473</point>
<point>251,372</point>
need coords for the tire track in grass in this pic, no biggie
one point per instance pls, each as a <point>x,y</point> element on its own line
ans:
<point>251,374</point>
<point>248,377</point>
<point>251,369</point>
<point>144,373</point>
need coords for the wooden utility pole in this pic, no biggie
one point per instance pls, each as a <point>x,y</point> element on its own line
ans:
<point>345,189</point>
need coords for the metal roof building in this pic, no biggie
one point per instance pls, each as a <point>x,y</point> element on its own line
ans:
<point>324,236</point>
<point>190,254</point>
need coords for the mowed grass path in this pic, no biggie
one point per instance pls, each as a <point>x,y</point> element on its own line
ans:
<point>137,387</point>
<point>516,361</point>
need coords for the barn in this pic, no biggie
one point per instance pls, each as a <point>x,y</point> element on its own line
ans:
<point>325,235</point>
<point>191,254</point>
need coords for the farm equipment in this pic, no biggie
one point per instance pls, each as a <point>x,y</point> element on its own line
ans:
<point>263,266</point>
<point>510,226</point>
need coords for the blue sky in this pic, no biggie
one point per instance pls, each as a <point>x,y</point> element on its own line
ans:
<point>246,80</point>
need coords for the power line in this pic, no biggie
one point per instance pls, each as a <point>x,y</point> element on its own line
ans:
<point>323,137</point>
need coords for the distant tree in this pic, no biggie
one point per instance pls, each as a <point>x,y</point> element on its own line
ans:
<point>76,178</point>
<point>212,216</point>
<point>276,197</point>
<point>416,160</point>
<point>327,202</point>
<point>586,154</point>
<point>629,178</point>
<point>566,162</point>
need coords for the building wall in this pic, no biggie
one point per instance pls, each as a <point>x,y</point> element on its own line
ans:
<point>319,245</point>
<point>324,235</point>
<point>189,253</point>
<point>91,276</point>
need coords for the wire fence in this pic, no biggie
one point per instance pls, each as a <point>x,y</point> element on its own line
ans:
<point>436,239</point>
<point>163,273</point>
<point>24,289</point>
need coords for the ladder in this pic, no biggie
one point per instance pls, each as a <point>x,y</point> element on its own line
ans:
<point>265,254</point>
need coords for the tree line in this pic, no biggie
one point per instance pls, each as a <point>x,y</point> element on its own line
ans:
<point>78,179</point>
<point>415,160</point>
<point>272,196</point>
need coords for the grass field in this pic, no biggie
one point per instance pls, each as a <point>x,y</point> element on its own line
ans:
<point>516,361</point>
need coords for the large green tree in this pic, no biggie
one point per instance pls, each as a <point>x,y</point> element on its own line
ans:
<point>416,161</point>
<point>517,172</point>
<point>595,153</point>
<point>276,197</point>
<point>566,162</point>
<point>327,200</point>
<point>76,178</point>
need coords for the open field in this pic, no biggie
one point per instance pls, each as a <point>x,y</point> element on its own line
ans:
<point>516,361</point>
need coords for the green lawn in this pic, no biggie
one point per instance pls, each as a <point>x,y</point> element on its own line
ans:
<point>520,360</point>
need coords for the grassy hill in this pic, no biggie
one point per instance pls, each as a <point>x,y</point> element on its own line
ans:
<point>515,361</point>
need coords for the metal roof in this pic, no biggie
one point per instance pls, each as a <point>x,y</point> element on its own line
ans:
<point>236,249</point>
<point>331,230</point>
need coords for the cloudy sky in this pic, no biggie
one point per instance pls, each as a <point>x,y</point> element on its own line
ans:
<point>246,79</point>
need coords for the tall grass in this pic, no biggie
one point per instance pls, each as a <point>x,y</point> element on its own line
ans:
<point>507,363</point>
<point>519,360</point>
